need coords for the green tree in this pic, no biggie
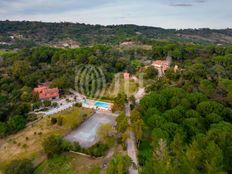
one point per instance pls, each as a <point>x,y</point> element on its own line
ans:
<point>47,103</point>
<point>122,123</point>
<point>20,167</point>
<point>54,145</point>
<point>119,102</point>
<point>207,87</point>
<point>150,72</point>
<point>136,124</point>
<point>21,69</point>
<point>16,123</point>
<point>221,134</point>
<point>3,129</point>
<point>209,107</point>
<point>119,164</point>
<point>105,132</point>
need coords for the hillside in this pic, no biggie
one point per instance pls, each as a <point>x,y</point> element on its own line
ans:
<point>14,34</point>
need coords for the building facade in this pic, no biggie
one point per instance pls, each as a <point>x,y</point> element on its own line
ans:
<point>45,92</point>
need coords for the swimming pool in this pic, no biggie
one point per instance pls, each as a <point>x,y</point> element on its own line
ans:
<point>102,104</point>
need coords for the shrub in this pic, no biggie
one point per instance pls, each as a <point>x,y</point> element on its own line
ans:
<point>78,105</point>
<point>20,167</point>
<point>25,146</point>
<point>76,147</point>
<point>3,129</point>
<point>55,145</point>
<point>47,103</point>
<point>84,115</point>
<point>52,145</point>
<point>60,121</point>
<point>55,104</point>
<point>53,120</point>
<point>97,150</point>
<point>36,105</point>
<point>119,164</point>
<point>16,123</point>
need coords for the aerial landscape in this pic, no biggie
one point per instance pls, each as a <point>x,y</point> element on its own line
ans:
<point>116,87</point>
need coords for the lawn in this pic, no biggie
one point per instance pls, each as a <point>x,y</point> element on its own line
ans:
<point>119,85</point>
<point>27,143</point>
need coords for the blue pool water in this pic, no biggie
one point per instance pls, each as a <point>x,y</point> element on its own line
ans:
<point>102,104</point>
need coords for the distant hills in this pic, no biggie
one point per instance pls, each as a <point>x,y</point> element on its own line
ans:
<point>15,34</point>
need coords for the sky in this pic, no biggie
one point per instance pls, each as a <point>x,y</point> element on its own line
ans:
<point>176,14</point>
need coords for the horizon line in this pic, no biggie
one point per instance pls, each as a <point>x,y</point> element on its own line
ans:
<point>71,22</point>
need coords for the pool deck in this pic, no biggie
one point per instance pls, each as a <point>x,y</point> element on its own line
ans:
<point>86,133</point>
<point>98,105</point>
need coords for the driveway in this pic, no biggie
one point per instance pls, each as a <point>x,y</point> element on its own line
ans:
<point>139,94</point>
<point>131,146</point>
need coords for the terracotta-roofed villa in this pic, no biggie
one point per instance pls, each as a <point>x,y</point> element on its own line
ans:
<point>45,92</point>
<point>161,65</point>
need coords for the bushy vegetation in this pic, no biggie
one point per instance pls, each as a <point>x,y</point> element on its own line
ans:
<point>56,165</point>
<point>119,164</point>
<point>55,145</point>
<point>29,34</point>
<point>119,102</point>
<point>20,167</point>
<point>185,130</point>
<point>187,114</point>
<point>22,71</point>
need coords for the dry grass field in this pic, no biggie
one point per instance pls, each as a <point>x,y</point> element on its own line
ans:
<point>119,85</point>
<point>27,143</point>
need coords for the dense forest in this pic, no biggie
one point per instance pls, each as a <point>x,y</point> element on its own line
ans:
<point>206,69</point>
<point>185,133</point>
<point>23,70</point>
<point>15,34</point>
<point>187,115</point>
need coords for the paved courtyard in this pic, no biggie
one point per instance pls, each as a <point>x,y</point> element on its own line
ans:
<point>85,134</point>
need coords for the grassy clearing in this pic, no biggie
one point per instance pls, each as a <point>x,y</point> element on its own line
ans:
<point>73,117</point>
<point>69,164</point>
<point>27,143</point>
<point>5,52</point>
<point>57,165</point>
<point>119,85</point>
